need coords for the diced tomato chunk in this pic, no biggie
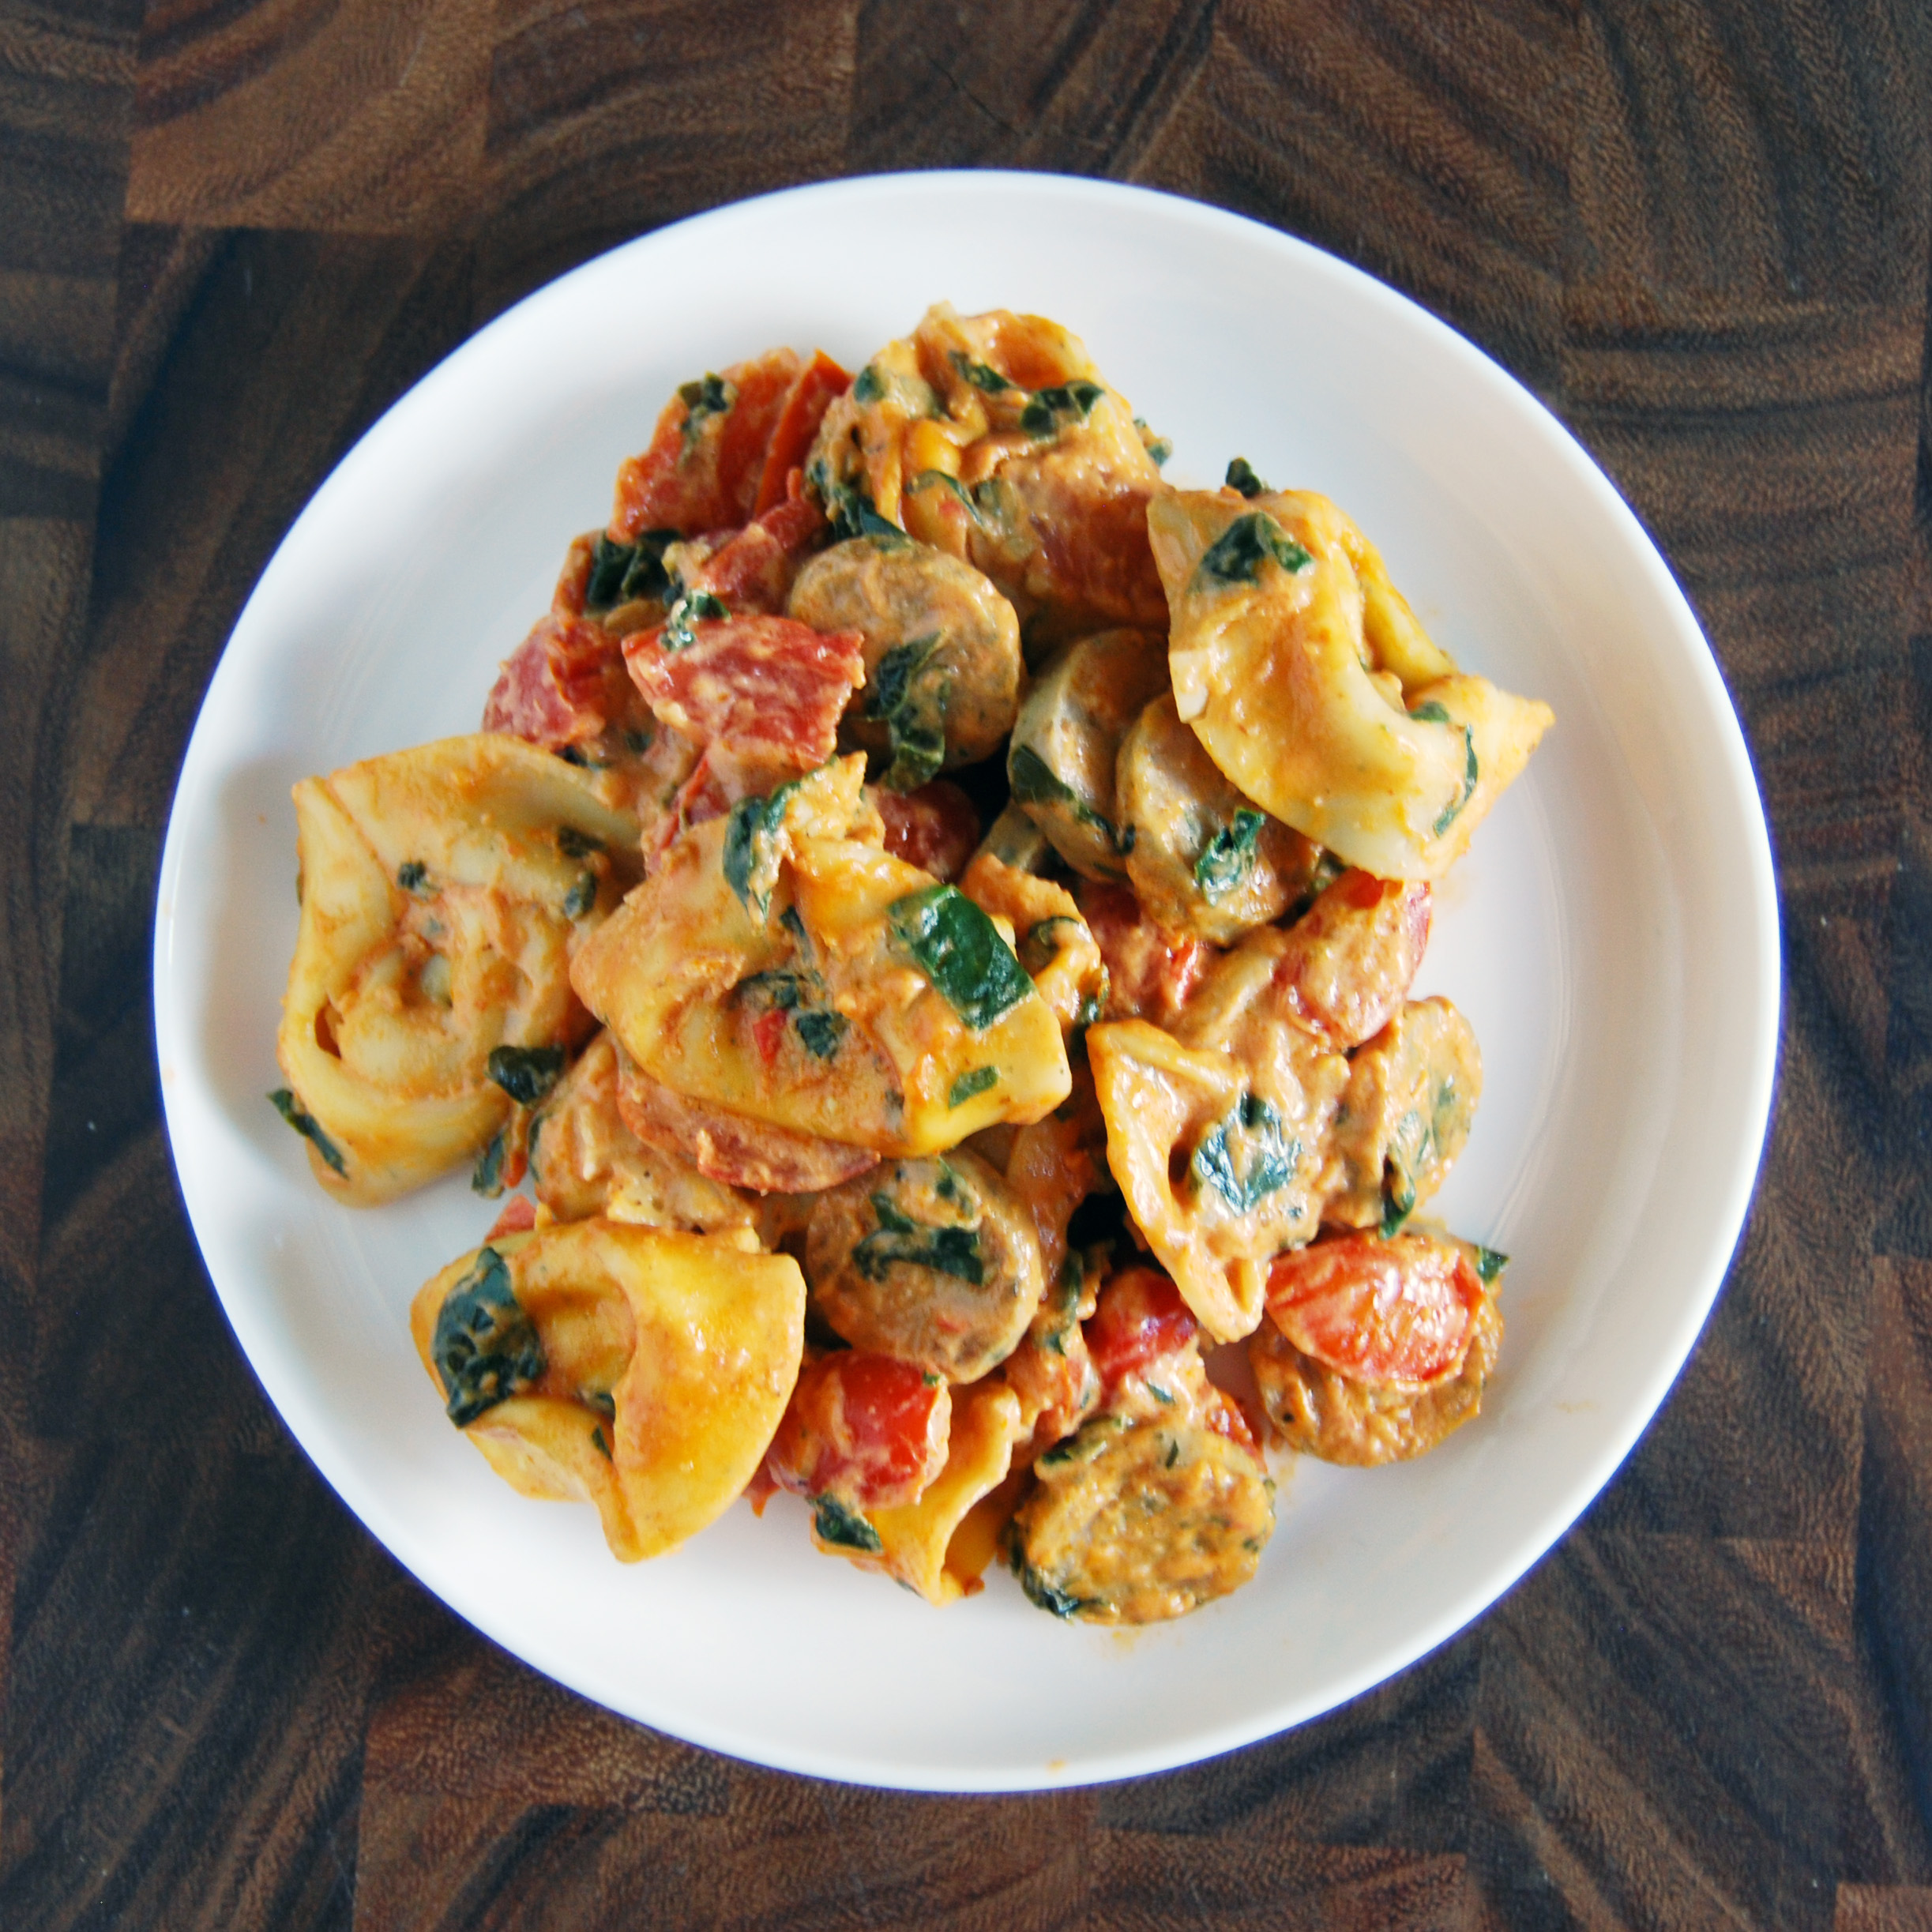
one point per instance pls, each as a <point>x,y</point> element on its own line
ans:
<point>1352,955</point>
<point>555,688</point>
<point>767,684</point>
<point>866,1429</point>
<point>768,1031</point>
<point>810,395</point>
<point>518,1217</point>
<point>1150,974</point>
<point>1375,1311</point>
<point>1226,1416</point>
<point>703,470</point>
<point>1140,1319</point>
<point>934,827</point>
<point>752,569</point>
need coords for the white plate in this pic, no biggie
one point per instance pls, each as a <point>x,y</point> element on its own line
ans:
<point>1613,938</point>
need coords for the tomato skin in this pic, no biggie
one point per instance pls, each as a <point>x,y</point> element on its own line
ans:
<point>1352,957</point>
<point>867,1429</point>
<point>1377,1311</point>
<point>768,1031</point>
<point>1140,1319</point>
<point>934,827</point>
<point>819,383</point>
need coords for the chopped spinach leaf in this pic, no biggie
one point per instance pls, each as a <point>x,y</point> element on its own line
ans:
<point>526,1073</point>
<point>912,707</point>
<point>1237,554</point>
<point>1159,448</point>
<point>1035,782</point>
<point>1043,941</point>
<point>1241,476</point>
<point>789,919</point>
<point>842,1526</point>
<point>1243,1157</point>
<point>927,480</point>
<point>1434,713</point>
<point>870,386</point>
<point>305,1124</point>
<point>1047,1596</point>
<point>751,854</point>
<point>487,1176</point>
<point>622,572</point>
<point>1228,858</point>
<point>638,743</point>
<point>1049,409</point>
<point>413,876</point>
<point>780,989</point>
<point>959,950</point>
<point>602,1401</point>
<point>969,1083</point>
<point>953,1251</point>
<point>850,510</point>
<point>486,1349</point>
<point>1489,1262</point>
<point>581,896</point>
<point>711,396</point>
<point>693,606</point>
<point>575,844</point>
<point>983,376</point>
<point>819,1033</point>
<point>599,1444</point>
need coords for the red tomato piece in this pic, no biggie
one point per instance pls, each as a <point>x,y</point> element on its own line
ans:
<point>1140,1319</point>
<point>818,384</point>
<point>766,684</point>
<point>768,1031</point>
<point>1226,1416</point>
<point>1377,1310</point>
<point>752,569</point>
<point>554,688</point>
<point>865,1429</point>
<point>703,472</point>
<point>1150,974</point>
<point>934,827</point>
<point>518,1217</point>
<point>1352,955</point>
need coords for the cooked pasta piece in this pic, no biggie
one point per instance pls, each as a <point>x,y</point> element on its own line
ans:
<point>443,891</point>
<point>1313,689</point>
<point>642,1371</point>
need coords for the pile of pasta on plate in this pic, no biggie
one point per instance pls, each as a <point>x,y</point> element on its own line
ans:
<point>930,914</point>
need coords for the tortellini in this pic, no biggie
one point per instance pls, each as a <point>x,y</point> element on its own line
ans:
<point>1308,679</point>
<point>638,1369</point>
<point>443,891</point>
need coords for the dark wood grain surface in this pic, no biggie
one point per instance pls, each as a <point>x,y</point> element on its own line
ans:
<point>232,231</point>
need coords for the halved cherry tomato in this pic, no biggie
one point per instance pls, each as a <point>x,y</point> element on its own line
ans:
<point>865,1429</point>
<point>1377,1310</point>
<point>934,827</point>
<point>1140,1319</point>
<point>810,395</point>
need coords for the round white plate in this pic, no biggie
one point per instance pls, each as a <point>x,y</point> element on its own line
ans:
<point>1613,938</point>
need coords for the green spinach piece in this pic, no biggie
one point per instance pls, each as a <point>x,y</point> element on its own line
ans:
<point>751,854</point>
<point>1033,781</point>
<point>711,396</point>
<point>622,572</point>
<point>1228,858</point>
<point>693,606</point>
<point>487,1176</point>
<point>525,1074</point>
<point>601,1400</point>
<point>575,844</point>
<point>1418,1138</point>
<point>599,1444</point>
<point>820,1031</point>
<point>838,1523</point>
<point>1049,409</point>
<point>983,376</point>
<point>976,1080</point>
<point>581,896</point>
<point>850,510</point>
<point>486,1349</point>
<point>870,385</point>
<point>953,1251</point>
<point>1243,1156</point>
<point>305,1123</point>
<point>1047,1596</point>
<point>1237,554</point>
<point>413,877</point>
<point>1158,448</point>
<point>912,708</point>
<point>1490,1263</point>
<point>960,951</point>
<point>1433,713</point>
<point>1241,476</point>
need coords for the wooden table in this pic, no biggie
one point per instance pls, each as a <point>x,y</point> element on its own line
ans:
<point>230,234</point>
